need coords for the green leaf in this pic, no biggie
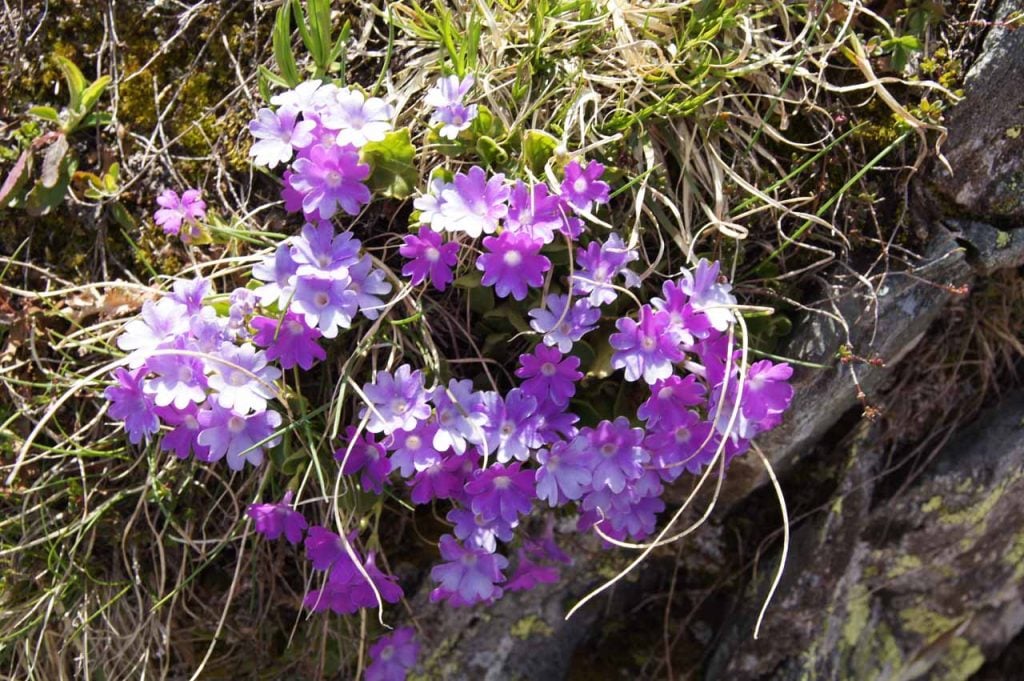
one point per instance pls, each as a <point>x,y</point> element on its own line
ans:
<point>491,152</point>
<point>53,158</point>
<point>538,147</point>
<point>282,40</point>
<point>122,216</point>
<point>75,80</point>
<point>92,94</point>
<point>391,160</point>
<point>41,200</point>
<point>47,113</point>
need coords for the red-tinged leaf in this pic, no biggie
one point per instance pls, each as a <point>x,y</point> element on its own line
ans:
<point>14,177</point>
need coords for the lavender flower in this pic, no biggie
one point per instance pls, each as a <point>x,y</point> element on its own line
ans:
<point>366,456</point>
<point>618,456</point>
<point>413,450</point>
<point>474,204</point>
<point>302,97</point>
<point>326,304</point>
<point>512,264</point>
<point>502,492</point>
<point>682,443</point>
<point>645,348</point>
<point>429,258</point>
<point>668,399</point>
<point>443,478</point>
<point>278,271</point>
<point>429,204</point>
<point>290,341</point>
<point>582,187</point>
<point>564,472</point>
<point>395,401</point>
<point>449,110</point>
<point>158,325</point>
<point>182,437</point>
<point>242,379</point>
<point>179,380</point>
<point>329,178</point>
<point>534,210</point>
<point>357,119</point>
<point>273,520</point>
<point>599,265</point>
<point>393,655</point>
<point>562,328</point>
<point>321,254</point>
<point>477,531</point>
<point>509,429</point>
<point>131,404</point>
<point>175,211</point>
<point>459,416</point>
<point>709,296</point>
<point>240,438</point>
<point>279,135</point>
<point>686,324</point>
<point>190,293</point>
<point>368,284</point>
<point>468,575</point>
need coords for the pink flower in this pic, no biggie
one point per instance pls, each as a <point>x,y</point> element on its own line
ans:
<point>329,178</point>
<point>189,209</point>
<point>429,258</point>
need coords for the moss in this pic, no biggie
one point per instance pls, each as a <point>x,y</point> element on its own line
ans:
<point>904,564</point>
<point>531,626</point>
<point>932,505</point>
<point>857,613</point>
<point>959,658</point>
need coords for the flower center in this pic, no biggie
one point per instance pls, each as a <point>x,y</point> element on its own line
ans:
<point>682,435</point>
<point>512,258</point>
<point>191,422</point>
<point>502,482</point>
<point>665,393</point>
<point>548,369</point>
<point>580,185</point>
<point>236,424</point>
<point>457,119</point>
<point>294,327</point>
<point>432,254</point>
<point>332,178</point>
<point>648,343</point>
<point>185,374</point>
<point>238,378</point>
<point>413,442</point>
<point>508,428</point>
<point>399,406</point>
<point>320,299</point>
<point>608,449</point>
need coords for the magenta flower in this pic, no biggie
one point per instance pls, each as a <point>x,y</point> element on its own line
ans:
<point>476,531</point>
<point>443,478</point>
<point>622,515</point>
<point>599,266</point>
<point>393,655</point>
<point>132,405</point>
<point>767,390</point>
<point>708,295</point>
<point>273,520</point>
<point>329,178</point>
<point>242,379</point>
<point>347,590</point>
<point>325,548</point>
<point>512,264</point>
<point>686,324</point>
<point>181,438</point>
<point>562,328</point>
<point>474,204</point>
<point>645,348</point>
<point>241,438</point>
<point>549,376</point>
<point>502,492</point>
<point>366,456</point>
<point>582,187</point>
<point>278,135</point>
<point>534,210</point>
<point>553,423</point>
<point>564,472</point>
<point>468,575</point>
<point>669,399</point>
<point>429,258</point>
<point>290,341</point>
<point>396,402</point>
<point>175,211</point>
<point>529,575</point>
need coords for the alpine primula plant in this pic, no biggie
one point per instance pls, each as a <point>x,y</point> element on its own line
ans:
<point>210,380</point>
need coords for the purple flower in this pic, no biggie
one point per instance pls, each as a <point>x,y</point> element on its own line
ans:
<point>562,328</point>
<point>478,531</point>
<point>552,423</point>
<point>582,187</point>
<point>318,252</point>
<point>599,265</point>
<point>329,178</point>
<point>686,324</point>
<point>357,119</point>
<point>278,271</point>
<point>443,478</point>
<point>174,211</point>
<point>629,513</point>
<point>131,404</point>
<point>512,264</point>
<point>239,437</point>
<point>413,450</point>
<point>509,430</point>
<point>181,438</point>
<point>564,472</point>
<point>302,97</point>
<point>549,376</point>
<point>325,548</point>
<point>502,492</point>
<point>449,110</point>
<point>272,520</point>
<point>190,293</point>
<point>158,325</point>
<point>458,414</point>
<point>669,398</point>
<point>289,341</point>
<point>347,590</point>
<point>682,443</point>
<point>468,575</point>
<point>429,258</point>
<point>393,655</point>
<point>767,390</point>
<point>179,380</point>
<point>242,379</point>
<point>241,304</point>
<point>534,210</point>
<point>616,454</point>
<point>326,304</point>
<point>368,284</point>
<point>396,402</point>
<point>529,574</point>
<point>645,348</point>
<point>278,135</point>
<point>709,296</point>
<point>474,204</point>
<point>429,204</point>
<point>364,454</point>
